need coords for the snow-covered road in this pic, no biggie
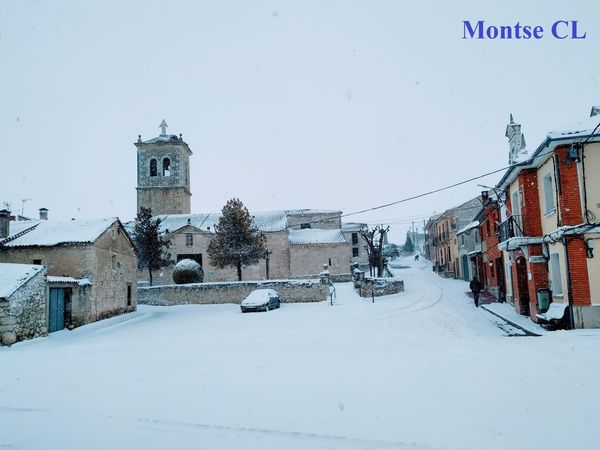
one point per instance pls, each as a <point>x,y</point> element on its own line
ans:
<point>422,369</point>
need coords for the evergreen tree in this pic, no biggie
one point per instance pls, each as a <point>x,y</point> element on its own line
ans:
<point>408,245</point>
<point>237,243</point>
<point>149,243</point>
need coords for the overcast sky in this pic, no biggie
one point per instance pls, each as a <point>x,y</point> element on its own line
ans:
<point>296,104</point>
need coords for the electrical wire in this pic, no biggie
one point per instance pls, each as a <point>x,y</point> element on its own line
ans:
<point>450,186</point>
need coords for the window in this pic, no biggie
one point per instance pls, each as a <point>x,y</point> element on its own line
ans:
<point>549,193</point>
<point>354,252</point>
<point>462,239</point>
<point>330,261</point>
<point>304,225</point>
<point>492,275</point>
<point>128,294</point>
<point>354,238</point>
<point>166,167</point>
<point>153,169</point>
<point>37,262</point>
<point>189,239</point>
<point>487,227</point>
<point>114,262</point>
<point>555,270</point>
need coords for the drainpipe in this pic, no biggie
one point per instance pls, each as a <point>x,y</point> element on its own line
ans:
<point>569,291</point>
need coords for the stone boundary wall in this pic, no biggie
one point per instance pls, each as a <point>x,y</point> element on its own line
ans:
<point>380,286</point>
<point>290,291</point>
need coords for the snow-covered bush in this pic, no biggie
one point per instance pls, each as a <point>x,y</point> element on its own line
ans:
<point>188,271</point>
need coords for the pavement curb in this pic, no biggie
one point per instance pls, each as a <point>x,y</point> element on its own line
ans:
<point>510,322</point>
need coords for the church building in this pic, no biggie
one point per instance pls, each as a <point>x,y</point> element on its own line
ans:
<point>300,243</point>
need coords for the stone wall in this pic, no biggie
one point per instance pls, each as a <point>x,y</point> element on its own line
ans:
<point>308,260</point>
<point>23,315</point>
<point>290,291</point>
<point>380,286</point>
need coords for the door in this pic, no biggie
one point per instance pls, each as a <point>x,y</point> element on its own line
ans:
<point>522,286</point>
<point>501,280</point>
<point>465,267</point>
<point>56,310</point>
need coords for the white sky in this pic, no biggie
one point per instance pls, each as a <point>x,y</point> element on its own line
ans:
<point>299,104</point>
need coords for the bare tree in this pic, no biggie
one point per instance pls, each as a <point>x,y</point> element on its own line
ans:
<point>375,238</point>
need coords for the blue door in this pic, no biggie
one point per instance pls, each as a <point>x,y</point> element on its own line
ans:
<point>465,268</point>
<point>57,310</point>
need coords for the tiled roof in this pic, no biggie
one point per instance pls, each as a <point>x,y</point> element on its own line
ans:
<point>51,232</point>
<point>316,236</point>
<point>13,276</point>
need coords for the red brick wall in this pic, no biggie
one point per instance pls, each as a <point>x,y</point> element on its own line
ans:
<point>530,211</point>
<point>491,243</point>
<point>569,198</point>
<point>580,286</point>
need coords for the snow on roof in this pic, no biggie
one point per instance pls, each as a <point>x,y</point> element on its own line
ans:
<point>577,129</point>
<point>79,281</point>
<point>474,224</point>
<point>13,276</point>
<point>50,232</point>
<point>316,236</point>
<point>163,138</point>
<point>16,227</point>
<point>302,212</point>
<point>353,226</point>
<point>264,221</point>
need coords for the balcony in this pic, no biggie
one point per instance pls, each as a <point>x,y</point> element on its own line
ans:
<point>510,228</point>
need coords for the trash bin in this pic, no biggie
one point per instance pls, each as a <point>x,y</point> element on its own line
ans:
<point>544,298</point>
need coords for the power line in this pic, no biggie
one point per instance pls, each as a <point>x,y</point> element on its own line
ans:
<point>450,186</point>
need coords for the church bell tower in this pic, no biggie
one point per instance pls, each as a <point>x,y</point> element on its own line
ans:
<point>163,173</point>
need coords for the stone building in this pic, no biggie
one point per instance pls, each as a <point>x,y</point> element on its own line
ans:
<point>91,267</point>
<point>295,247</point>
<point>163,174</point>
<point>23,302</point>
<point>351,232</point>
<point>299,241</point>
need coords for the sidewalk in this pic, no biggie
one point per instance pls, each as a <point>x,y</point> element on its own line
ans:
<point>506,312</point>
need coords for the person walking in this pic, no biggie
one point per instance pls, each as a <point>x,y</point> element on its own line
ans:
<point>475,287</point>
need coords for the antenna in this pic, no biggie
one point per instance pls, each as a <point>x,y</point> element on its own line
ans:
<point>23,200</point>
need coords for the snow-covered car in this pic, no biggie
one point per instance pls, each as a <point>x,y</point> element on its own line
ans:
<point>261,300</point>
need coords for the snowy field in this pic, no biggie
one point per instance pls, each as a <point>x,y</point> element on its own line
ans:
<point>419,370</point>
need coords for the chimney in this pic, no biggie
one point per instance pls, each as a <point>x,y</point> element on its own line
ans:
<point>516,141</point>
<point>595,111</point>
<point>4,223</point>
<point>43,213</point>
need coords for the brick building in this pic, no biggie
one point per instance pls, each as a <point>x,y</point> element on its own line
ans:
<point>550,222</point>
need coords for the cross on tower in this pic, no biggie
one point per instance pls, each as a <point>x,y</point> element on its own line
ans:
<point>163,126</point>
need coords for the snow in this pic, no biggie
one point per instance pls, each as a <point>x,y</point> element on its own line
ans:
<point>259,297</point>
<point>187,264</point>
<point>556,311</point>
<point>424,369</point>
<point>13,276</point>
<point>577,129</point>
<point>266,221</point>
<point>54,232</point>
<point>316,236</point>
<point>474,224</point>
<point>79,281</point>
